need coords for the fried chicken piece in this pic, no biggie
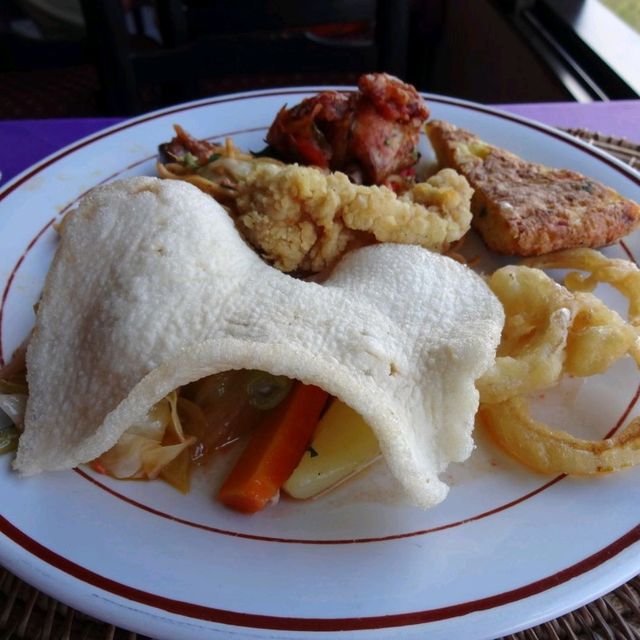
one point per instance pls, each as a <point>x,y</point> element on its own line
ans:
<point>370,134</point>
<point>528,209</point>
<point>301,218</point>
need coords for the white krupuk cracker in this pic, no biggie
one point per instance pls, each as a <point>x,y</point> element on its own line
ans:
<point>152,287</point>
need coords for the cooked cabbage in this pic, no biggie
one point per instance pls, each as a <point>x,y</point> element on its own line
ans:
<point>148,447</point>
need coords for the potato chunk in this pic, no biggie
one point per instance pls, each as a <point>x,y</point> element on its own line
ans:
<point>342,445</point>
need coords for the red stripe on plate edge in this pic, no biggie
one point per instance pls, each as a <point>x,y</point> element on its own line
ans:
<point>258,621</point>
<point>12,275</point>
<point>342,541</point>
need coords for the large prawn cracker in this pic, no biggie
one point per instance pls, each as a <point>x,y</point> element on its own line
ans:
<point>152,287</point>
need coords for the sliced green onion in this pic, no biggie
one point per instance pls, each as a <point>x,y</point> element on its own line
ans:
<point>8,438</point>
<point>190,161</point>
<point>266,391</point>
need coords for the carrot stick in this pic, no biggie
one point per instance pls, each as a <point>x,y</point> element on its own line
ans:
<point>98,467</point>
<point>274,451</point>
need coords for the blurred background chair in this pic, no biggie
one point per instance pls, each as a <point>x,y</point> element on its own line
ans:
<point>205,46</point>
<point>120,57</point>
<point>43,70</point>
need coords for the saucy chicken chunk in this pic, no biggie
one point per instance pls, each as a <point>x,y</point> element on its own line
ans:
<point>369,135</point>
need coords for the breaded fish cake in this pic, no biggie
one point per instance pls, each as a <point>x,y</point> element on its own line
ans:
<point>528,209</point>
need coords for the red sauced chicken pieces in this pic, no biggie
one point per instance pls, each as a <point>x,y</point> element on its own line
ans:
<point>370,134</point>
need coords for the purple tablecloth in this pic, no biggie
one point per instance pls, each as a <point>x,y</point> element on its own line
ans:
<point>619,118</point>
<point>23,142</point>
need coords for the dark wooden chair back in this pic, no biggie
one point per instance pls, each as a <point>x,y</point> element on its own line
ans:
<point>221,38</point>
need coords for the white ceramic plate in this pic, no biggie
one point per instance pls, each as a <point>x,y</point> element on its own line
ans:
<point>508,549</point>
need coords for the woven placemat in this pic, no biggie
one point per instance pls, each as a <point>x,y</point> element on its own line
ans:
<point>27,614</point>
<point>624,150</point>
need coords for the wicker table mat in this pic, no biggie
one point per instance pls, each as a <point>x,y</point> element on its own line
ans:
<point>28,614</point>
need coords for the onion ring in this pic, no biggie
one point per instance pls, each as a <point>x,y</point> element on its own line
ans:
<point>555,451</point>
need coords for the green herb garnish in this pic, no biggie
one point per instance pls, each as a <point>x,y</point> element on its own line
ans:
<point>190,161</point>
<point>8,438</point>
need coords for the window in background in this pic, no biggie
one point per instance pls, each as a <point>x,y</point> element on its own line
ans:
<point>590,48</point>
<point>628,10</point>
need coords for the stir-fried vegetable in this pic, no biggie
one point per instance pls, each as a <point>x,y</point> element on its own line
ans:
<point>151,446</point>
<point>13,401</point>
<point>221,408</point>
<point>192,422</point>
<point>266,391</point>
<point>342,445</point>
<point>8,438</point>
<point>274,450</point>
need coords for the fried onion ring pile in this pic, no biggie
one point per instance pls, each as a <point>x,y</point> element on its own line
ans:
<point>551,331</point>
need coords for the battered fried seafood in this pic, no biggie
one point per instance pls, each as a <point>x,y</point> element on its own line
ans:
<point>370,134</point>
<point>528,209</point>
<point>623,275</point>
<point>301,218</point>
<point>548,451</point>
<point>551,330</point>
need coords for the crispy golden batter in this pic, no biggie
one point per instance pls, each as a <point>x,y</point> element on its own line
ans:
<point>528,209</point>
<point>303,218</point>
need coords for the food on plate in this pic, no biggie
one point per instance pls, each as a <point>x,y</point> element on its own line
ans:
<point>342,445</point>
<point>556,451</point>
<point>528,209</point>
<point>154,446</point>
<point>301,218</point>
<point>186,429</point>
<point>370,134</point>
<point>551,331</point>
<point>623,275</point>
<point>13,400</point>
<point>274,450</point>
<point>162,338</point>
<point>152,289</point>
